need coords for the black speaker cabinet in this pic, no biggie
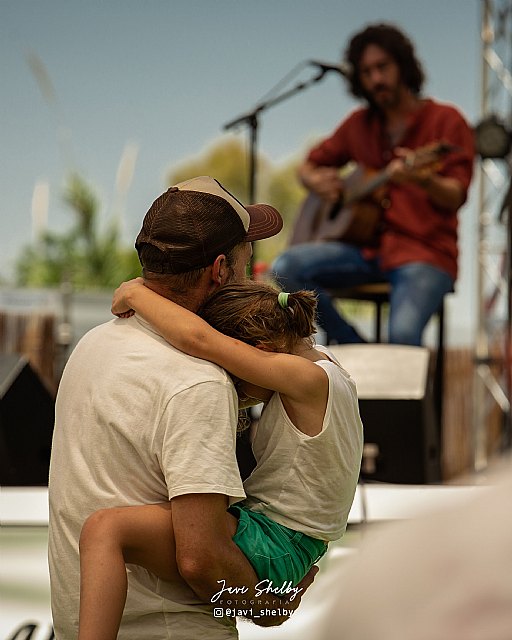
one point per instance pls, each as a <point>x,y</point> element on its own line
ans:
<point>26,424</point>
<point>401,436</point>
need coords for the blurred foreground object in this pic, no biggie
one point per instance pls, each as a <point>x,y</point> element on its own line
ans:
<point>443,576</point>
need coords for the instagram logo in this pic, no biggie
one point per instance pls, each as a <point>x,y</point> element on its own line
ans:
<point>218,612</point>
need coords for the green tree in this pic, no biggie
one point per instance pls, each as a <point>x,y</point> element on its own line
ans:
<point>85,256</point>
<point>227,161</point>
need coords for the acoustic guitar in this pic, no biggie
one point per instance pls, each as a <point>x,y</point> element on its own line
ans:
<point>357,218</point>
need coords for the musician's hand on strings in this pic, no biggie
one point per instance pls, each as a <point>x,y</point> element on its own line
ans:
<point>406,168</point>
<point>324,181</point>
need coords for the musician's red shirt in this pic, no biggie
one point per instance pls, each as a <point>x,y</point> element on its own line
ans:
<point>416,230</point>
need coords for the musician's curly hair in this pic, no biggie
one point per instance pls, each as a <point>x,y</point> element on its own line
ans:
<point>396,44</point>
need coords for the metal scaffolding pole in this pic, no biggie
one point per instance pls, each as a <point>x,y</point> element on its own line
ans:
<point>492,382</point>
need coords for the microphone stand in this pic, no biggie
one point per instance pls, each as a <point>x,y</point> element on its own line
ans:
<point>251,119</point>
<point>506,216</point>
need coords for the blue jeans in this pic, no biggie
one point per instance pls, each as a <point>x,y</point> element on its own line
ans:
<point>417,289</point>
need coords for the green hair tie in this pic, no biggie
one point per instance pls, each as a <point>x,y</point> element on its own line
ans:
<point>282,298</point>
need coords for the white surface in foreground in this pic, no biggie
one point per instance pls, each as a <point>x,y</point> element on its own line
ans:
<point>24,571</point>
<point>29,505</point>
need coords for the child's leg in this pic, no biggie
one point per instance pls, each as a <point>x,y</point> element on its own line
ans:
<point>110,538</point>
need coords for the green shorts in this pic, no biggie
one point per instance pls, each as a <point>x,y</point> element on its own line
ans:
<point>276,553</point>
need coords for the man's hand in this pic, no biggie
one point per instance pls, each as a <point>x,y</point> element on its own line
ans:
<point>120,304</point>
<point>444,191</point>
<point>287,605</point>
<point>324,181</point>
<point>404,168</point>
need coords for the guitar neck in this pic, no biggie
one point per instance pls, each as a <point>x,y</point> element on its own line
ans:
<point>423,157</point>
<point>364,190</point>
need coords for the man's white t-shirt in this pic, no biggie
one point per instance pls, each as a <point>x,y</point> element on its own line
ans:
<point>137,422</point>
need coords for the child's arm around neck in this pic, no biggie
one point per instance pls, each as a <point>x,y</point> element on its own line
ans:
<point>291,375</point>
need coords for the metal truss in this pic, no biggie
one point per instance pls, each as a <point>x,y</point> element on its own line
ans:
<point>493,350</point>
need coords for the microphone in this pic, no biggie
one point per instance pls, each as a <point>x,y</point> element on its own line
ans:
<point>342,69</point>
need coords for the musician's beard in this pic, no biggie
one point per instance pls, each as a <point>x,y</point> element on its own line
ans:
<point>383,97</point>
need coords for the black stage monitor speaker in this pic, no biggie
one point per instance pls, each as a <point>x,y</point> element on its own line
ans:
<point>26,424</point>
<point>401,438</point>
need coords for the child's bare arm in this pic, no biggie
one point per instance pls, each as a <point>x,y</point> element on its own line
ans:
<point>293,376</point>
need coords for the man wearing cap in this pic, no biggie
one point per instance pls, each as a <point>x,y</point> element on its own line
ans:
<point>139,422</point>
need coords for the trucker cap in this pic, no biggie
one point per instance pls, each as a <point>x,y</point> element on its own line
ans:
<point>195,221</point>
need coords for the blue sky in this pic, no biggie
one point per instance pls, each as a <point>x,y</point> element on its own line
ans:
<point>166,75</point>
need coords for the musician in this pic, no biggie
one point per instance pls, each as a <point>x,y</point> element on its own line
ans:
<point>417,244</point>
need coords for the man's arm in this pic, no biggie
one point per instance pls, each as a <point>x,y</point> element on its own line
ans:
<point>443,191</point>
<point>448,187</point>
<point>209,560</point>
<point>199,463</point>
